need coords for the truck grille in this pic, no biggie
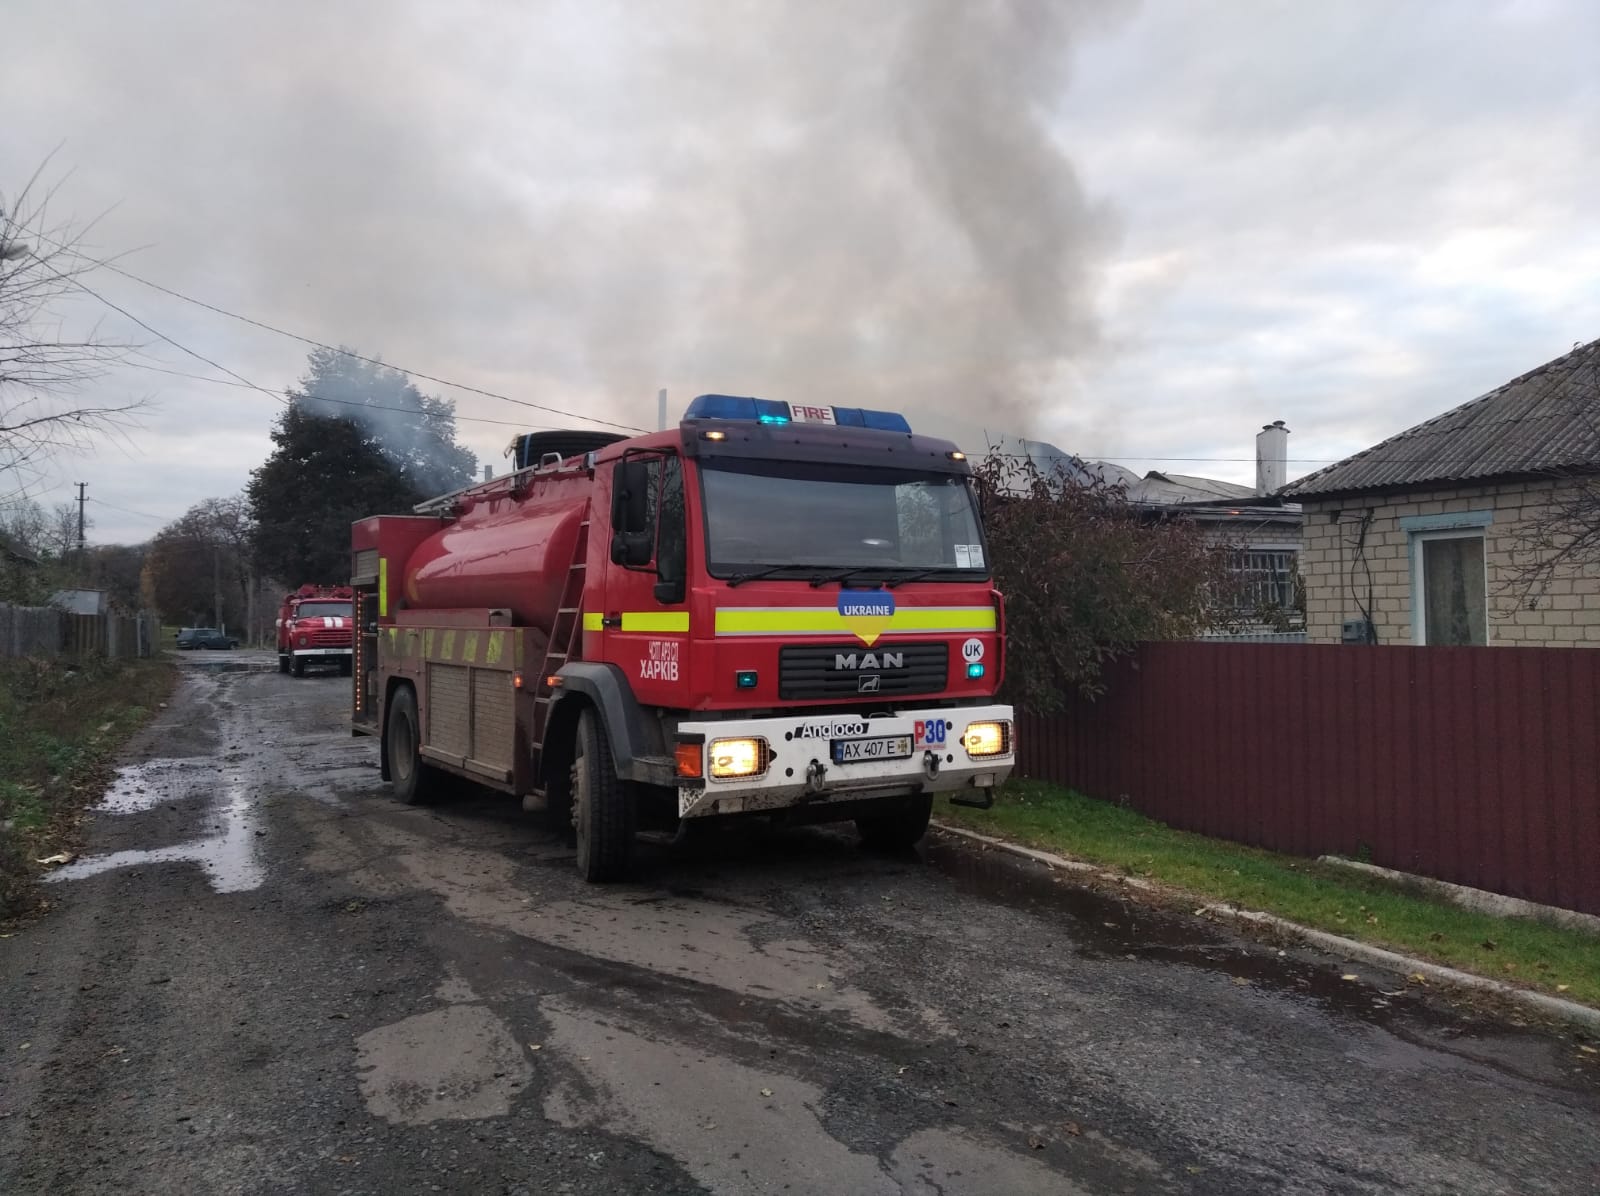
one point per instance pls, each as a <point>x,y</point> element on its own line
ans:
<point>331,637</point>
<point>854,671</point>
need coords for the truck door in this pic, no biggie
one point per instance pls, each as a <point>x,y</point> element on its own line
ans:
<point>645,621</point>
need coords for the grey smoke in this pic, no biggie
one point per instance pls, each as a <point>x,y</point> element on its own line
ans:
<point>834,201</point>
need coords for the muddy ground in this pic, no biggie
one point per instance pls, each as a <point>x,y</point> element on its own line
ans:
<point>267,976</point>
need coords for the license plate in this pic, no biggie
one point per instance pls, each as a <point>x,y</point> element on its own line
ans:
<point>855,751</point>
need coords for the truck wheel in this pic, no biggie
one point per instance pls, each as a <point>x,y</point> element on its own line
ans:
<point>346,666</point>
<point>602,808</point>
<point>283,663</point>
<point>900,830</point>
<point>298,668</point>
<point>415,782</point>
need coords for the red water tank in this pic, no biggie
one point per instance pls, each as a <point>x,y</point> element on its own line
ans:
<point>501,552</point>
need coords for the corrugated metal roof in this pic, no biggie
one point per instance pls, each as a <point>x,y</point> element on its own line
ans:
<point>1547,421</point>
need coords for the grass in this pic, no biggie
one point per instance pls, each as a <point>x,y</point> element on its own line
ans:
<point>61,722</point>
<point>1371,909</point>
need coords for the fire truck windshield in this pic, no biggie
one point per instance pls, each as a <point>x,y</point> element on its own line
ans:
<point>767,515</point>
<point>319,610</point>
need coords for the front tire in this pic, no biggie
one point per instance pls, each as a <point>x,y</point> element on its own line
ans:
<point>900,830</point>
<point>298,668</point>
<point>602,807</point>
<point>415,782</point>
<point>283,663</point>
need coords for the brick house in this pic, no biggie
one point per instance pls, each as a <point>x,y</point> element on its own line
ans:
<point>1436,535</point>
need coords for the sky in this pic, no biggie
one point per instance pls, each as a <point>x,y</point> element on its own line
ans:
<point>1138,231</point>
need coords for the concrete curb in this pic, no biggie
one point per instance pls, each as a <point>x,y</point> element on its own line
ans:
<point>1540,1003</point>
<point>1478,900</point>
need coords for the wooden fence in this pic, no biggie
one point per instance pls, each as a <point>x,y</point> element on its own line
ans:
<point>1479,766</point>
<point>46,631</point>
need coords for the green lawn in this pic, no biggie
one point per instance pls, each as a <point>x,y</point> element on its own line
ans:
<point>1534,954</point>
<point>61,722</point>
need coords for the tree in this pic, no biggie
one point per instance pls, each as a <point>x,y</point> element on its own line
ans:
<point>1558,538</point>
<point>1086,576</point>
<point>42,264</point>
<point>356,440</point>
<point>200,569</point>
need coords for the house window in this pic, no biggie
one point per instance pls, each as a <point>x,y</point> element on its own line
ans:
<point>1265,578</point>
<point>1449,584</point>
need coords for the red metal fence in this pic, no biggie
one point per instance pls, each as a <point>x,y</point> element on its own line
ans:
<point>1474,765</point>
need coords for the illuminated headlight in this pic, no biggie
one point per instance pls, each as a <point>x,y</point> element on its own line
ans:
<point>732,758</point>
<point>988,739</point>
<point>304,640</point>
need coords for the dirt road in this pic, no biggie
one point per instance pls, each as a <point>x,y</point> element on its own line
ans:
<point>269,977</point>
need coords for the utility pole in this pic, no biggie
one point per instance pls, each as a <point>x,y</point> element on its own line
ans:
<point>216,585</point>
<point>82,544</point>
<point>661,410</point>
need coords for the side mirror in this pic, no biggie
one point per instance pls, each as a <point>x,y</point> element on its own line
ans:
<point>632,549</point>
<point>630,496</point>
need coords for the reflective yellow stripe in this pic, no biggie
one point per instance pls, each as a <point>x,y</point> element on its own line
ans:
<point>654,620</point>
<point>497,647</point>
<point>822,620</point>
<point>383,587</point>
<point>594,622</point>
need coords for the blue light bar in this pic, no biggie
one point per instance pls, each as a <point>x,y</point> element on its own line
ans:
<point>772,411</point>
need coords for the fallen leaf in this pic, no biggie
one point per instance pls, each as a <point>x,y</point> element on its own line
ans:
<point>534,1046</point>
<point>1349,976</point>
<point>60,857</point>
<point>1589,1050</point>
<point>1073,1128</point>
<point>1561,988</point>
<point>1416,978</point>
<point>1036,1143</point>
<point>902,1071</point>
<point>766,1092</point>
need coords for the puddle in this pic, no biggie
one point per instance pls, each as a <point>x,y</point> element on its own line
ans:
<point>139,787</point>
<point>229,859</point>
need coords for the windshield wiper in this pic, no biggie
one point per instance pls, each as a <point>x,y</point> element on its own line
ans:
<point>842,576</point>
<point>916,575</point>
<point>738,579</point>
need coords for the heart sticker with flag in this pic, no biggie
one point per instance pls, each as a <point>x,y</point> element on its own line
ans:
<point>867,613</point>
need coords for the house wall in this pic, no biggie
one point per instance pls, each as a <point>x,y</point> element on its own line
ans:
<point>1567,614</point>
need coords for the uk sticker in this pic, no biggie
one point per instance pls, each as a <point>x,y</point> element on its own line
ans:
<point>972,651</point>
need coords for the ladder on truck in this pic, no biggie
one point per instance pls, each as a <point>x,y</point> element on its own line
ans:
<point>565,633</point>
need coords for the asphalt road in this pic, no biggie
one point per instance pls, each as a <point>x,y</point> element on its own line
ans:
<point>269,977</point>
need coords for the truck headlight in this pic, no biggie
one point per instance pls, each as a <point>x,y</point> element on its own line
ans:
<point>987,739</point>
<point>304,640</point>
<point>732,758</point>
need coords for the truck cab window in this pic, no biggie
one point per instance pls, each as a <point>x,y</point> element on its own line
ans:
<point>648,519</point>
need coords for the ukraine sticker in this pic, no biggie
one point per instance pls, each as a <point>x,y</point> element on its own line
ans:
<point>868,613</point>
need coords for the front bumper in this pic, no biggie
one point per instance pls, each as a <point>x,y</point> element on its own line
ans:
<point>323,652</point>
<point>801,770</point>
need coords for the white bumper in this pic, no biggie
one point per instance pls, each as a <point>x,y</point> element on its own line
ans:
<point>802,769</point>
<point>323,652</point>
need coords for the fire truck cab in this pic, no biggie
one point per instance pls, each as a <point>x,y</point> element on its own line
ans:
<point>772,609</point>
<point>316,626</point>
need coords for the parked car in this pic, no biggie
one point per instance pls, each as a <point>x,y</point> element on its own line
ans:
<point>205,637</point>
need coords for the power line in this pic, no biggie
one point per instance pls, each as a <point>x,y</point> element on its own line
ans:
<point>100,502</point>
<point>305,394</point>
<point>306,340</point>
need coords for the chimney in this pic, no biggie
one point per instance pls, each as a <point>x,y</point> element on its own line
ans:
<point>1272,458</point>
<point>488,473</point>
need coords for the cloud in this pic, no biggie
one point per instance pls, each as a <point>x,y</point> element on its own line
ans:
<point>1136,231</point>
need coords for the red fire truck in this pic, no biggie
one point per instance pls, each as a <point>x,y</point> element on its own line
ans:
<point>316,626</point>
<point>771,609</point>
